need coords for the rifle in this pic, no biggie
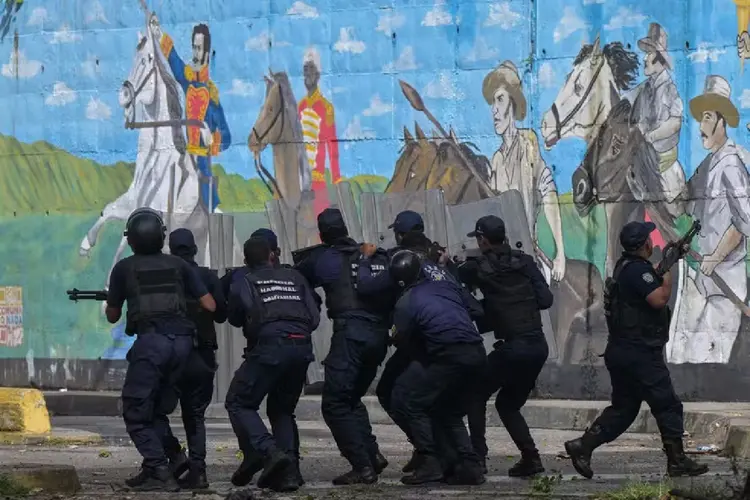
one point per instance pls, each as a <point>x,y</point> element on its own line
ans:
<point>303,253</point>
<point>76,295</point>
<point>674,251</point>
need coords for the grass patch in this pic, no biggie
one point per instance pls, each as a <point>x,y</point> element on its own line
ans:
<point>11,488</point>
<point>543,486</point>
<point>639,491</point>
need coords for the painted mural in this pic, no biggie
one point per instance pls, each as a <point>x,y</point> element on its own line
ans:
<point>596,112</point>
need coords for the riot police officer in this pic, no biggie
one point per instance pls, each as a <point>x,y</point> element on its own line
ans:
<point>273,243</point>
<point>197,383</point>
<point>155,287</point>
<point>275,307</point>
<point>358,346</point>
<point>515,292</point>
<point>638,317</point>
<point>432,392</point>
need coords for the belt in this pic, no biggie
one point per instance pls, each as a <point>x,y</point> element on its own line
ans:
<point>284,341</point>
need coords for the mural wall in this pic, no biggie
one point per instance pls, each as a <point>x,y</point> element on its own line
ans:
<point>595,112</point>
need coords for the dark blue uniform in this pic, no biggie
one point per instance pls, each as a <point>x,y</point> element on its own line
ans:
<point>636,362</point>
<point>358,346</point>
<point>514,292</point>
<point>278,314</point>
<point>197,382</point>
<point>435,311</point>
<point>157,357</point>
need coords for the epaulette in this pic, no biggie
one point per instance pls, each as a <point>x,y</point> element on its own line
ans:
<point>213,92</point>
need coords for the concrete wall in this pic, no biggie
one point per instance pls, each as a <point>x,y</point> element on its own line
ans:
<point>543,109</point>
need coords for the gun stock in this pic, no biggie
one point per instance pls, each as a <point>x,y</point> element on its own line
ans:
<point>677,250</point>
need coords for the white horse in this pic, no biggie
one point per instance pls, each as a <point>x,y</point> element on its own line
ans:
<point>165,177</point>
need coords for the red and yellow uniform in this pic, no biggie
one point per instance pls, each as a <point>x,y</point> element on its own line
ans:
<point>319,133</point>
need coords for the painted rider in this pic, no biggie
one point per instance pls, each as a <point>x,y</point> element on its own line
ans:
<point>657,109</point>
<point>518,164</point>
<point>719,196</point>
<point>319,131</point>
<point>201,103</point>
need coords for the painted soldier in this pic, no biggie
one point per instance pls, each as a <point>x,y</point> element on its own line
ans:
<point>657,109</point>
<point>319,131</point>
<point>518,164</point>
<point>201,103</point>
<point>719,194</point>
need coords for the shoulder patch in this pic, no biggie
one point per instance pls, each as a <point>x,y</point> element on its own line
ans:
<point>213,92</point>
<point>648,277</point>
<point>329,110</point>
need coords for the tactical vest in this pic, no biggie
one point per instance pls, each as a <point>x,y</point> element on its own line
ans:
<point>629,321</point>
<point>204,320</point>
<point>509,301</point>
<point>341,296</point>
<point>279,295</point>
<point>155,289</point>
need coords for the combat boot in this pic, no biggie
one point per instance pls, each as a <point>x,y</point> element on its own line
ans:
<point>379,463</point>
<point>466,473</point>
<point>365,475</point>
<point>580,450</point>
<point>413,463</point>
<point>252,463</point>
<point>529,465</point>
<point>178,463</point>
<point>195,480</point>
<point>156,479</point>
<point>483,464</point>
<point>286,481</point>
<point>429,470</point>
<point>298,474</point>
<point>275,463</point>
<point>678,464</point>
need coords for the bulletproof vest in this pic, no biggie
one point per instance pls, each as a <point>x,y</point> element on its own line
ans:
<point>279,295</point>
<point>630,321</point>
<point>204,320</point>
<point>155,289</point>
<point>341,296</point>
<point>509,301</point>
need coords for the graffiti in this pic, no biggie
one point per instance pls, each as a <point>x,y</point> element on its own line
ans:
<point>586,117</point>
<point>11,316</point>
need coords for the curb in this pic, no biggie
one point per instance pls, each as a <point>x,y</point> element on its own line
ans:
<point>23,410</point>
<point>30,478</point>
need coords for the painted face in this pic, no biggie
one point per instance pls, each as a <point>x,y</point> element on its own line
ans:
<point>712,131</point>
<point>312,75</point>
<point>199,49</point>
<point>651,66</point>
<point>501,110</point>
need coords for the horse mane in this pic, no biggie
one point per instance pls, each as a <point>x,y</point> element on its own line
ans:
<point>174,105</point>
<point>282,79</point>
<point>623,62</point>
<point>480,162</point>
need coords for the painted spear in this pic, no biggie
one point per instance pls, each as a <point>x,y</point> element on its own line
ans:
<point>415,100</point>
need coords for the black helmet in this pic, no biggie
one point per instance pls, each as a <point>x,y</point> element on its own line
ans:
<point>145,231</point>
<point>405,267</point>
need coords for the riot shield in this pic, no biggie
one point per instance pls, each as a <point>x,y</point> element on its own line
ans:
<point>509,207</point>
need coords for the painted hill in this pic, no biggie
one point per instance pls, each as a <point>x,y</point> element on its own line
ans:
<point>41,178</point>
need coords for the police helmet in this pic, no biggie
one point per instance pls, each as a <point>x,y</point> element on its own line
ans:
<point>405,267</point>
<point>145,231</point>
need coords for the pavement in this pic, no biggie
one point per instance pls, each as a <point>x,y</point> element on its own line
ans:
<point>633,461</point>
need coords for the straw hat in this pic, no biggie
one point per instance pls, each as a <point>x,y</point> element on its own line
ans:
<point>505,75</point>
<point>715,97</point>
<point>656,41</point>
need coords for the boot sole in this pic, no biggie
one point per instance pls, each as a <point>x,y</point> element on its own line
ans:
<point>246,478</point>
<point>688,474</point>
<point>574,458</point>
<point>529,474</point>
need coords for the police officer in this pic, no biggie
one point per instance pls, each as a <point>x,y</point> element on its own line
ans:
<point>252,461</point>
<point>515,292</point>
<point>275,306</point>
<point>358,345</point>
<point>197,383</point>
<point>435,312</point>
<point>638,321</point>
<point>156,287</point>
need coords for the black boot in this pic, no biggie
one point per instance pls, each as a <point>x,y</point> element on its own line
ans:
<point>429,470</point>
<point>156,479</point>
<point>580,450</point>
<point>273,466</point>
<point>379,463</point>
<point>483,464</point>
<point>366,475</point>
<point>413,463</point>
<point>252,463</point>
<point>195,480</point>
<point>529,465</point>
<point>466,473</point>
<point>298,474</point>
<point>286,481</point>
<point>178,463</point>
<point>678,464</point>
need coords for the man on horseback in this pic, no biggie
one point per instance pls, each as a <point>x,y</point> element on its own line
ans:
<point>518,164</point>
<point>657,110</point>
<point>201,103</point>
<point>319,131</point>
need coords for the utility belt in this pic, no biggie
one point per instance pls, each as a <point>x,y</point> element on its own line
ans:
<point>300,340</point>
